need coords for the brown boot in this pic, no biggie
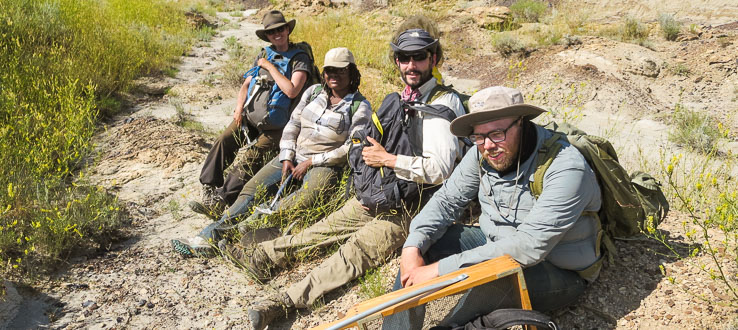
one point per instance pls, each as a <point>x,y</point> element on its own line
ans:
<point>265,312</point>
<point>257,263</point>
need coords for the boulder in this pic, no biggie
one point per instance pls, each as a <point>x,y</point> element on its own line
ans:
<point>486,17</point>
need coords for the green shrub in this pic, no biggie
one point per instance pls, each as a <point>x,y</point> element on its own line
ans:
<point>669,26</point>
<point>693,129</point>
<point>528,11</point>
<point>61,62</point>
<point>633,30</point>
<point>371,285</point>
<point>507,44</point>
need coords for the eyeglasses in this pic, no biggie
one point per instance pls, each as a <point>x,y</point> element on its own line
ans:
<point>277,30</point>
<point>333,70</point>
<point>495,136</point>
<point>417,57</point>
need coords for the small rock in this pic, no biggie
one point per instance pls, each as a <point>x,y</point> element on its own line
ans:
<point>94,306</point>
<point>119,319</point>
<point>87,303</point>
<point>149,305</point>
<point>141,302</point>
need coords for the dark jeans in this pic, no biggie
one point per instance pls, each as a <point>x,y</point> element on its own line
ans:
<point>224,151</point>
<point>319,181</point>
<point>549,287</point>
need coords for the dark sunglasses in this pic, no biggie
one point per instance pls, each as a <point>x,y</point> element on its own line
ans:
<point>417,57</point>
<point>277,30</point>
<point>332,70</point>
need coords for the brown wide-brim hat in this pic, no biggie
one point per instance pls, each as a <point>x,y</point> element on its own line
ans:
<point>491,104</point>
<point>273,20</point>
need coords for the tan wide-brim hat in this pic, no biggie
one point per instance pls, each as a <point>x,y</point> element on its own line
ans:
<point>339,57</point>
<point>273,20</point>
<point>491,104</point>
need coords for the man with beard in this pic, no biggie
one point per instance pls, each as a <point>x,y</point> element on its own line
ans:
<point>369,237</point>
<point>554,236</point>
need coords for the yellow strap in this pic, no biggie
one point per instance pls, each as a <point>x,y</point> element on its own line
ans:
<point>375,119</point>
<point>546,155</point>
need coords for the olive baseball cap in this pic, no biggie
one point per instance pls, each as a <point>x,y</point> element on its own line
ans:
<point>339,57</point>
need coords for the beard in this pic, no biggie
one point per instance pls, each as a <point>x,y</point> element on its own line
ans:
<point>424,76</point>
<point>503,163</point>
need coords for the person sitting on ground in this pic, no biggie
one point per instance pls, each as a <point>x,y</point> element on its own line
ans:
<point>554,236</point>
<point>313,147</point>
<point>368,236</point>
<point>218,192</point>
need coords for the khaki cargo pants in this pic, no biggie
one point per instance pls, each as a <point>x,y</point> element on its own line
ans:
<point>369,240</point>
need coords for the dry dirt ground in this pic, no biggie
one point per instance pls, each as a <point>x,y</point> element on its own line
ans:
<point>624,91</point>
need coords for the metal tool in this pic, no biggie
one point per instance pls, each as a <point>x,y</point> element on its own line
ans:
<point>271,210</point>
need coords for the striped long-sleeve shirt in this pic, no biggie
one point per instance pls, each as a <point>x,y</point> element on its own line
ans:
<point>320,131</point>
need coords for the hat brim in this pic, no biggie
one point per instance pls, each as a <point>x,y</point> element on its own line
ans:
<point>464,125</point>
<point>261,33</point>
<point>412,48</point>
<point>336,64</point>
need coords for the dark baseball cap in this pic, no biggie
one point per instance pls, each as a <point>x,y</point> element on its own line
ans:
<point>414,40</point>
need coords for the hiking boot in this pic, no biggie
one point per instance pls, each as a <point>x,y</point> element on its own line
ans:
<point>267,311</point>
<point>257,264</point>
<point>212,204</point>
<point>193,247</point>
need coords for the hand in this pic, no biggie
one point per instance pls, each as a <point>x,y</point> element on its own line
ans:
<point>238,116</point>
<point>299,171</point>
<point>377,156</point>
<point>410,259</point>
<point>264,63</point>
<point>422,274</point>
<point>287,168</point>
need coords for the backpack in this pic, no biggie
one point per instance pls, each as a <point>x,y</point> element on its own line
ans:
<point>379,189</point>
<point>628,201</point>
<point>355,103</point>
<point>267,107</point>
<point>506,318</point>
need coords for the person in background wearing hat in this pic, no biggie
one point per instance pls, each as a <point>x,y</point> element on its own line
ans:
<point>554,237</point>
<point>217,192</point>
<point>313,147</point>
<point>368,237</point>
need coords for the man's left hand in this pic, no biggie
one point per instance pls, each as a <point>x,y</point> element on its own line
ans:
<point>377,156</point>
<point>421,274</point>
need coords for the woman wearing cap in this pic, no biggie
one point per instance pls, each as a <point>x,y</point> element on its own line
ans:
<point>313,147</point>
<point>277,32</point>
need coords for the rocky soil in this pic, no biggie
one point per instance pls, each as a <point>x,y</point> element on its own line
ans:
<point>626,92</point>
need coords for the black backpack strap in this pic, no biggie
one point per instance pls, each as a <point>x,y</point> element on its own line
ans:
<point>508,317</point>
<point>435,109</point>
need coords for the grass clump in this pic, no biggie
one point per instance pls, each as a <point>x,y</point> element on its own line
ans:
<point>368,42</point>
<point>371,285</point>
<point>694,130</point>
<point>528,11</point>
<point>670,27</point>
<point>633,30</point>
<point>61,63</point>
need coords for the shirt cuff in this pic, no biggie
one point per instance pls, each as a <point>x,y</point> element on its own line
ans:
<point>418,240</point>
<point>403,167</point>
<point>286,154</point>
<point>318,160</point>
<point>448,265</point>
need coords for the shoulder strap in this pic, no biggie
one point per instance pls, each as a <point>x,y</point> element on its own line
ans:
<point>438,91</point>
<point>315,93</point>
<point>358,98</point>
<point>546,155</point>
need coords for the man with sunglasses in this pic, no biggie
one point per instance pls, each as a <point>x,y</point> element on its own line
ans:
<point>367,237</point>
<point>554,236</point>
<point>218,192</point>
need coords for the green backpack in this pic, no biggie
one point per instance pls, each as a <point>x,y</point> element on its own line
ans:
<point>629,202</point>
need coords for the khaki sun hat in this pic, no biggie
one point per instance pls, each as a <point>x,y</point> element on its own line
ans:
<point>273,20</point>
<point>490,104</point>
<point>339,57</point>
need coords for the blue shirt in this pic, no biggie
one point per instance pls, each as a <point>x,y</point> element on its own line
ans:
<point>551,228</point>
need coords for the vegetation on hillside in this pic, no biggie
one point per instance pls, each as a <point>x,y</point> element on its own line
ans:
<point>61,64</point>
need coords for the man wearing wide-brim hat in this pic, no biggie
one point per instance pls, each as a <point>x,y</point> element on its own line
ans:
<point>217,192</point>
<point>553,236</point>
